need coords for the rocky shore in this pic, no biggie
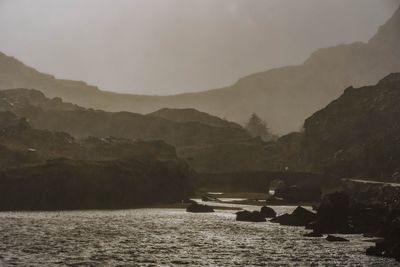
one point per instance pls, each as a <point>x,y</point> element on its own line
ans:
<point>359,208</point>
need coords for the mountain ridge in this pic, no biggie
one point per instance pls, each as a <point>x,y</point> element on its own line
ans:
<point>283,97</point>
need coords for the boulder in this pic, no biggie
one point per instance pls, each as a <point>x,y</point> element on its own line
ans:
<point>304,215</point>
<point>268,212</point>
<point>198,208</point>
<point>299,217</point>
<point>250,216</point>
<point>332,238</point>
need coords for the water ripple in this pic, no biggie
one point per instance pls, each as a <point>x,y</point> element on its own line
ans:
<point>166,237</point>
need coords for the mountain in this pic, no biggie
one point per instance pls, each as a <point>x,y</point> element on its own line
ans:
<point>56,115</point>
<point>283,97</point>
<point>357,135</point>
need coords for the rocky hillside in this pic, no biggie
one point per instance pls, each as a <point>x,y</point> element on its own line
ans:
<point>358,134</point>
<point>247,155</point>
<point>45,170</point>
<point>192,115</point>
<point>283,97</point>
<point>55,115</point>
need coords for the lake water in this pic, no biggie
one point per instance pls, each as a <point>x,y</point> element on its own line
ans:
<point>166,237</point>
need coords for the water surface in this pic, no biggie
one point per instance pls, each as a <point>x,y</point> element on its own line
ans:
<point>166,237</point>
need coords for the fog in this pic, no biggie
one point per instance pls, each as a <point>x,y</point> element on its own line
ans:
<point>172,46</point>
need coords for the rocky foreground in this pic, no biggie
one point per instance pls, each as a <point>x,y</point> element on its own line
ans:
<point>369,209</point>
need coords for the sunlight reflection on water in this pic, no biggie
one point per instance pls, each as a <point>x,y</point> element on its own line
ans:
<point>154,237</point>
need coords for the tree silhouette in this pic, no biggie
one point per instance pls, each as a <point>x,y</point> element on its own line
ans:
<point>257,127</point>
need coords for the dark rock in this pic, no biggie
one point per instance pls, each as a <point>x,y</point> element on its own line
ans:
<point>198,208</point>
<point>304,216</point>
<point>250,216</point>
<point>332,215</point>
<point>299,217</point>
<point>283,219</point>
<point>332,238</point>
<point>268,212</point>
<point>375,251</point>
<point>390,246</point>
<point>313,234</point>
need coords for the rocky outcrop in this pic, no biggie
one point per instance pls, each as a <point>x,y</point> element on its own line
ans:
<point>357,135</point>
<point>250,216</point>
<point>268,212</point>
<point>371,209</point>
<point>333,214</point>
<point>299,217</point>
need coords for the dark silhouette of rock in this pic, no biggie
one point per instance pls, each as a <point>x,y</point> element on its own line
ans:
<point>268,212</point>
<point>313,234</point>
<point>390,245</point>
<point>250,216</point>
<point>199,208</point>
<point>333,213</point>
<point>299,217</point>
<point>355,136</point>
<point>332,238</point>
<point>375,251</point>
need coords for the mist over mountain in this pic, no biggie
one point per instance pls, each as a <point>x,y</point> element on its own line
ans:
<point>56,115</point>
<point>283,97</point>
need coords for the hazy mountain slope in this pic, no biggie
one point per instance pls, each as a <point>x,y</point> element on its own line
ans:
<point>21,144</point>
<point>55,115</point>
<point>358,134</point>
<point>284,97</point>
<point>192,115</point>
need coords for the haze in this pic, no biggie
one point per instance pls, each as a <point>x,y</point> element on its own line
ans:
<point>173,46</point>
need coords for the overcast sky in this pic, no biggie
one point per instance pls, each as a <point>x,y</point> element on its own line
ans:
<point>173,46</point>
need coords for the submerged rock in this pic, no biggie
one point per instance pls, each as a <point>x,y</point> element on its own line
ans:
<point>250,216</point>
<point>199,208</point>
<point>332,238</point>
<point>313,234</point>
<point>268,212</point>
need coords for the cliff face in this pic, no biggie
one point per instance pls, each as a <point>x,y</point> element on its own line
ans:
<point>283,97</point>
<point>358,134</point>
<point>55,115</point>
